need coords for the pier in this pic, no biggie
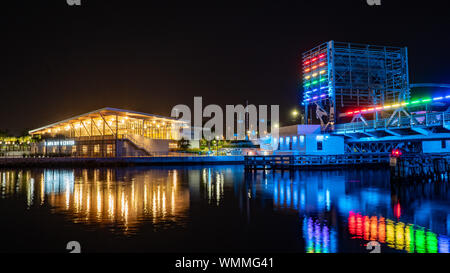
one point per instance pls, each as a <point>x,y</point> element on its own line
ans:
<point>119,161</point>
<point>420,168</point>
<point>294,162</point>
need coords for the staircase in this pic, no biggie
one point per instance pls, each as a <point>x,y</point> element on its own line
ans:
<point>138,143</point>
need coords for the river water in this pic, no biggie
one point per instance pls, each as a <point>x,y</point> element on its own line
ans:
<point>219,209</point>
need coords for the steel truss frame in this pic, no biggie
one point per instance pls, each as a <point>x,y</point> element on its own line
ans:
<point>358,75</point>
<point>382,147</point>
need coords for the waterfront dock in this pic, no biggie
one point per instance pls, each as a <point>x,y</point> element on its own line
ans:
<point>294,162</point>
<point>119,161</point>
<point>420,168</point>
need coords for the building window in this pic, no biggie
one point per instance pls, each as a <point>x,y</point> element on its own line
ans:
<point>302,141</point>
<point>109,149</point>
<point>97,148</point>
<point>319,145</point>
<point>444,144</point>
<point>85,149</point>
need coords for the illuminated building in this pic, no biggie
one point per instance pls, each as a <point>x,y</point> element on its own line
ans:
<point>109,132</point>
<point>338,75</point>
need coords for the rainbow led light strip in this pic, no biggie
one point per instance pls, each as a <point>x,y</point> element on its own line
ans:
<point>397,105</point>
<point>315,75</point>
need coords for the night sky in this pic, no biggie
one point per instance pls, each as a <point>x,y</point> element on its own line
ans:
<point>58,61</point>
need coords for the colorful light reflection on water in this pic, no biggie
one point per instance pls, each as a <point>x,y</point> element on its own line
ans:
<point>310,211</point>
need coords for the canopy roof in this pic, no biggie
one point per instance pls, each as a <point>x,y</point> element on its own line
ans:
<point>103,113</point>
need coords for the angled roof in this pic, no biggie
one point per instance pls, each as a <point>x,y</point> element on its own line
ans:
<point>107,111</point>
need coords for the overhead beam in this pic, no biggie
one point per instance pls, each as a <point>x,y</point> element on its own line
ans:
<point>421,131</point>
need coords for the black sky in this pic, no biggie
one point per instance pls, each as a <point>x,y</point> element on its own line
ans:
<point>58,61</point>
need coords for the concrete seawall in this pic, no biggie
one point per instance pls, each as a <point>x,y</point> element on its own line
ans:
<point>120,161</point>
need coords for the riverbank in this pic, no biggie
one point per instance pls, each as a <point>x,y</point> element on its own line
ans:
<point>119,161</point>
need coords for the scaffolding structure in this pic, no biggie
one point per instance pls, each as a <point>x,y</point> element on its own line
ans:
<point>339,76</point>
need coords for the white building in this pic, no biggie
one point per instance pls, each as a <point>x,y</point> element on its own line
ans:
<point>308,140</point>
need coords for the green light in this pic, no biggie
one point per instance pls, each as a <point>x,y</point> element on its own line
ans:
<point>314,82</point>
<point>415,102</point>
<point>432,242</point>
<point>307,85</point>
<point>426,100</point>
<point>420,240</point>
<point>322,80</point>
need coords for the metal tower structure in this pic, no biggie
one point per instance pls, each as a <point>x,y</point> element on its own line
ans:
<point>338,76</point>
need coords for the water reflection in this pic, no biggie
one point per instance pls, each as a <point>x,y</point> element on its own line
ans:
<point>103,196</point>
<point>414,219</point>
<point>397,235</point>
<point>319,237</point>
<point>333,210</point>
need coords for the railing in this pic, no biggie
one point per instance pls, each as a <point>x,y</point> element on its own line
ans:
<point>298,161</point>
<point>420,120</point>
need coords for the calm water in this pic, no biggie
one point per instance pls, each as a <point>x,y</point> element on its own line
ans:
<point>219,209</point>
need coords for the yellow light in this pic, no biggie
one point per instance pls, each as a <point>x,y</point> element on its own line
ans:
<point>314,75</point>
<point>323,72</point>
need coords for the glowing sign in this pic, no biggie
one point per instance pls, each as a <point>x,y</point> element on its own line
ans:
<point>60,143</point>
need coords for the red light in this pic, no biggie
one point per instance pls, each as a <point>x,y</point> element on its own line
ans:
<point>349,113</point>
<point>356,112</point>
<point>314,59</point>
<point>307,69</point>
<point>396,153</point>
<point>322,64</point>
<point>397,210</point>
<point>322,56</point>
<point>306,63</point>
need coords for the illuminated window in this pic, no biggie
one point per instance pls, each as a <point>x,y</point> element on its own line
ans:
<point>74,149</point>
<point>97,148</point>
<point>109,149</point>
<point>84,149</point>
